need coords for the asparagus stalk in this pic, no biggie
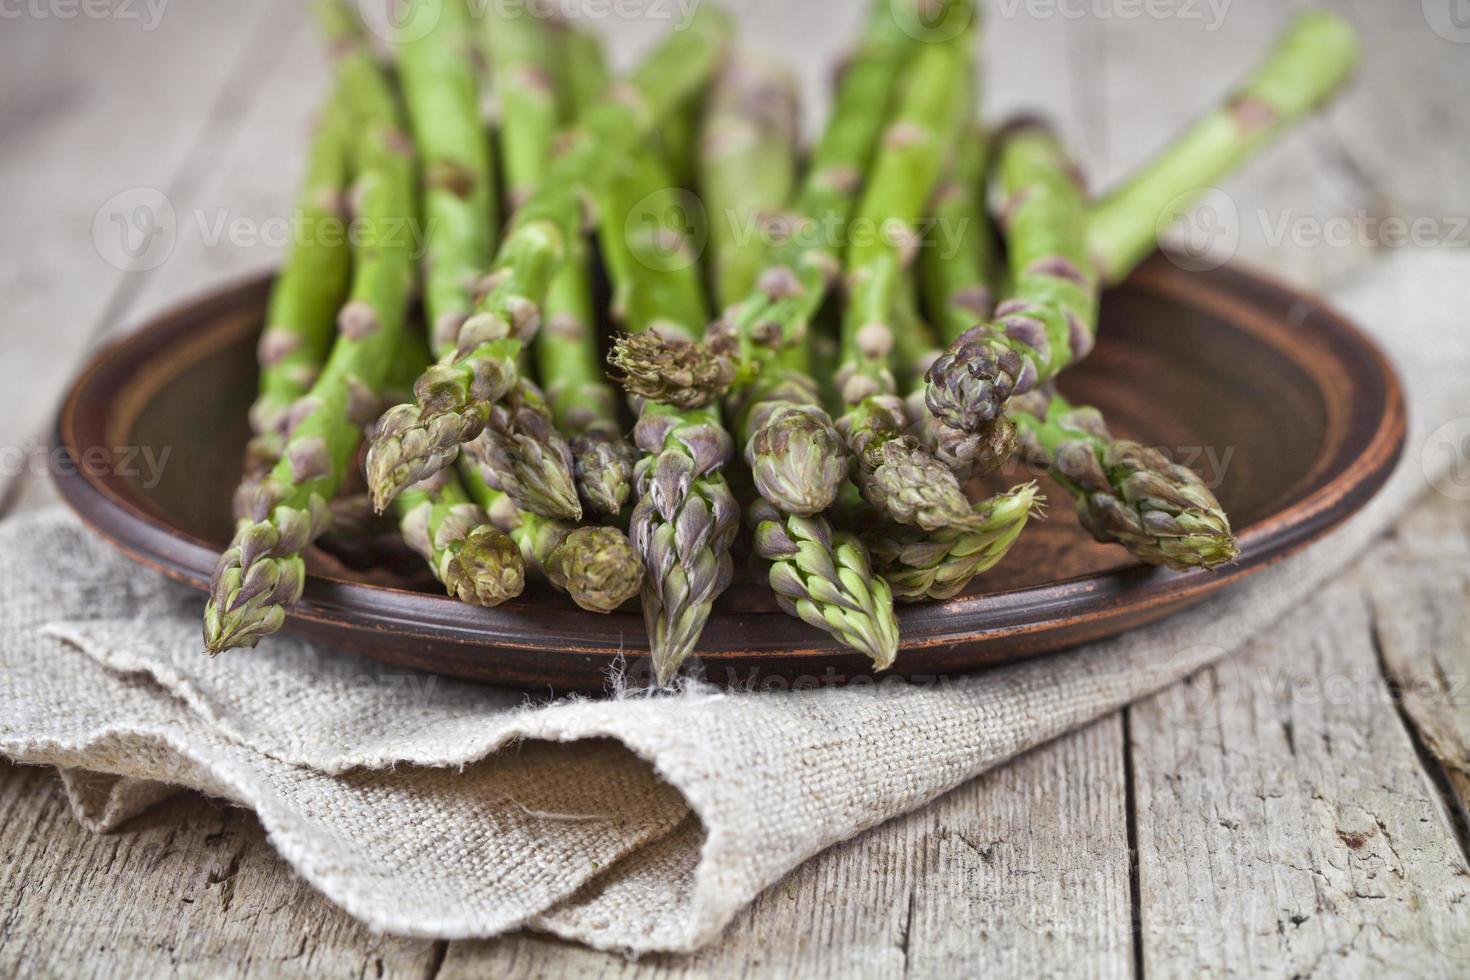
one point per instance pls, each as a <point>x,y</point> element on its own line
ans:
<point>748,156</point>
<point>522,56</point>
<point>1049,320</point>
<point>686,517</point>
<point>1126,493</point>
<point>892,469</point>
<point>965,454</point>
<point>301,317</point>
<point>523,455</point>
<point>939,564</point>
<point>262,572</point>
<point>596,566</point>
<point>458,177</point>
<point>802,270</point>
<point>583,404</point>
<point>477,562</point>
<point>824,578</point>
<point>1310,62</point>
<point>454,397</point>
<point>1049,324</point>
<point>955,274</point>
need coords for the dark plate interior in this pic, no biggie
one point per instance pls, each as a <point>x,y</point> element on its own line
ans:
<point>1287,409</point>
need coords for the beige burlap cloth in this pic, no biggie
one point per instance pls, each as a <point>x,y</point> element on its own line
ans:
<point>434,808</point>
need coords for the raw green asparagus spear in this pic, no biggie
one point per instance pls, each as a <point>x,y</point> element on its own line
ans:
<point>956,272</point>
<point>748,154</point>
<point>796,279</point>
<point>262,572</point>
<point>584,405</point>
<point>477,562</point>
<point>455,396</point>
<point>522,56</point>
<point>1309,63</point>
<point>939,564</point>
<point>686,517</point>
<point>302,316</point>
<point>824,579</point>
<point>596,566</point>
<point>965,454</point>
<point>1049,320</point>
<point>458,179</point>
<point>893,471</point>
<point>523,455</point>
<point>1126,493</point>
<point>970,385</point>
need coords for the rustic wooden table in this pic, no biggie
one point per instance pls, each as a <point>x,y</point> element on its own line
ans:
<point>1300,809</point>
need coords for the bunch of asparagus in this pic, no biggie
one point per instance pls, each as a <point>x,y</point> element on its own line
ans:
<point>728,262</point>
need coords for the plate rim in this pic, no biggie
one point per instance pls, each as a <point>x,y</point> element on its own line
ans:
<point>1106,597</point>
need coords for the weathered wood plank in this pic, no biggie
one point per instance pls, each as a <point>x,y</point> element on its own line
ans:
<point>120,112</point>
<point>1285,826</point>
<point>189,889</point>
<point>1419,585</point>
<point>1021,873</point>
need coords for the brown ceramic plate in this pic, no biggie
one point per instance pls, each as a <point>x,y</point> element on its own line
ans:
<point>1288,408</point>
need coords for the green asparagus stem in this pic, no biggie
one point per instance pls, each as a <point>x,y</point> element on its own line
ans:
<point>596,566</point>
<point>804,267</point>
<point>301,318</point>
<point>965,454</point>
<point>748,157</point>
<point>1126,493</point>
<point>1049,320</point>
<point>686,517</point>
<point>522,454</point>
<point>892,469</point>
<point>956,273</point>
<point>522,55</point>
<point>824,579</point>
<point>939,564</point>
<point>263,572</point>
<point>455,396</point>
<point>477,562</point>
<point>1310,62</point>
<point>442,96</point>
<point>583,404</point>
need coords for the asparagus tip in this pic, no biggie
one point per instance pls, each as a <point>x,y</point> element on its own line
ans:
<point>598,568</point>
<point>488,570</point>
<point>674,372</point>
